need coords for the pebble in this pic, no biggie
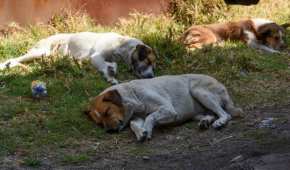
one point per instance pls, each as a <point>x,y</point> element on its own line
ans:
<point>237,158</point>
<point>146,158</point>
<point>267,123</point>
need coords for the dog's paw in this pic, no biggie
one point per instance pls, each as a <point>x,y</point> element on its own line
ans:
<point>2,66</point>
<point>205,121</point>
<point>113,82</point>
<point>204,124</point>
<point>221,122</point>
<point>9,64</point>
<point>143,137</point>
<point>5,65</point>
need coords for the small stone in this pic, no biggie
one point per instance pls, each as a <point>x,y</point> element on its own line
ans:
<point>237,159</point>
<point>267,123</point>
<point>146,158</point>
<point>244,73</point>
<point>251,124</point>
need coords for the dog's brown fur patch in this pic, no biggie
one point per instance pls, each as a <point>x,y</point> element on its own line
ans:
<point>270,34</point>
<point>107,110</point>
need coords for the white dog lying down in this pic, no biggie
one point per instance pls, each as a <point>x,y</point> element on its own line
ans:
<point>102,49</point>
<point>160,101</point>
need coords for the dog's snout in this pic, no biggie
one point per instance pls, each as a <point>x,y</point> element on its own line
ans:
<point>151,75</point>
<point>148,73</point>
<point>120,122</point>
<point>111,131</point>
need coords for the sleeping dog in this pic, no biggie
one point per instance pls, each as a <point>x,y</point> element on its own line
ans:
<point>103,50</point>
<point>256,33</point>
<point>144,104</point>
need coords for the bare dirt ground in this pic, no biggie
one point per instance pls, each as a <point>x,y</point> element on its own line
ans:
<point>259,141</point>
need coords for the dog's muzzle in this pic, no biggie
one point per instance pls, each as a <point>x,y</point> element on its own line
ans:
<point>117,129</point>
<point>149,75</point>
<point>146,73</point>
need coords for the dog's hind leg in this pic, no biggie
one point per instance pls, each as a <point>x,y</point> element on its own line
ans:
<point>137,126</point>
<point>31,55</point>
<point>212,102</point>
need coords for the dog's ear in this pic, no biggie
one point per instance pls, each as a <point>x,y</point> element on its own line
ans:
<point>265,31</point>
<point>114,97</point>
<point>87,109</point>
<point>142,51</point>
<point>270,29</point>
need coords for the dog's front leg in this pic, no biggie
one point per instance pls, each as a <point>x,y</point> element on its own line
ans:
<point>211,102</point>
<point>110,72</point>
<point>164,115</point>
<point>137,126</point>
<point>108,69</point>
<point>252,42</point>
<point>262,47</point>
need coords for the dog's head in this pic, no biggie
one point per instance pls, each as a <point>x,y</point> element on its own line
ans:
<point>143,61</point>
<point>272,35</point>
<point>107,111</point>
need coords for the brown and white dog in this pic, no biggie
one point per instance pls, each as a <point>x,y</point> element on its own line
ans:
<point>145,104</point>
<point>103,50</point>
<point>257,33</point>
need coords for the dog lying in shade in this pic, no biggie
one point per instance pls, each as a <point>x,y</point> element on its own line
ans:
<point>144,104</point>
<point>103,50</point>
<point>260,34</point>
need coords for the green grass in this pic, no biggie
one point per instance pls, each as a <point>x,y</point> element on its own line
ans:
<point>56,124</point>
<point>74,159</point>
<point>31,162</point>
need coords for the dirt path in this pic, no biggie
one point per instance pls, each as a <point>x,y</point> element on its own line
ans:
<point>260,141</point>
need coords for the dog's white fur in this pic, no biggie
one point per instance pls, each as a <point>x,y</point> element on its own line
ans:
<point>103,50</point>
<point>173,99</point>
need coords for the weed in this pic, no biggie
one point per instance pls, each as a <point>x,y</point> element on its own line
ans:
<point>31,162</point>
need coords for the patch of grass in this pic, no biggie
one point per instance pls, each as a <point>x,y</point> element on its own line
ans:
<point>75,159</point>
<point>190,12</point>
<point>32,162</point>
<point>139,150</point>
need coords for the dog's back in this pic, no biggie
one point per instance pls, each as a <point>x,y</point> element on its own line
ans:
<point>198,35</point>
<point>85,44</point>
<point>52,44</point>
<point>157,91</point>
